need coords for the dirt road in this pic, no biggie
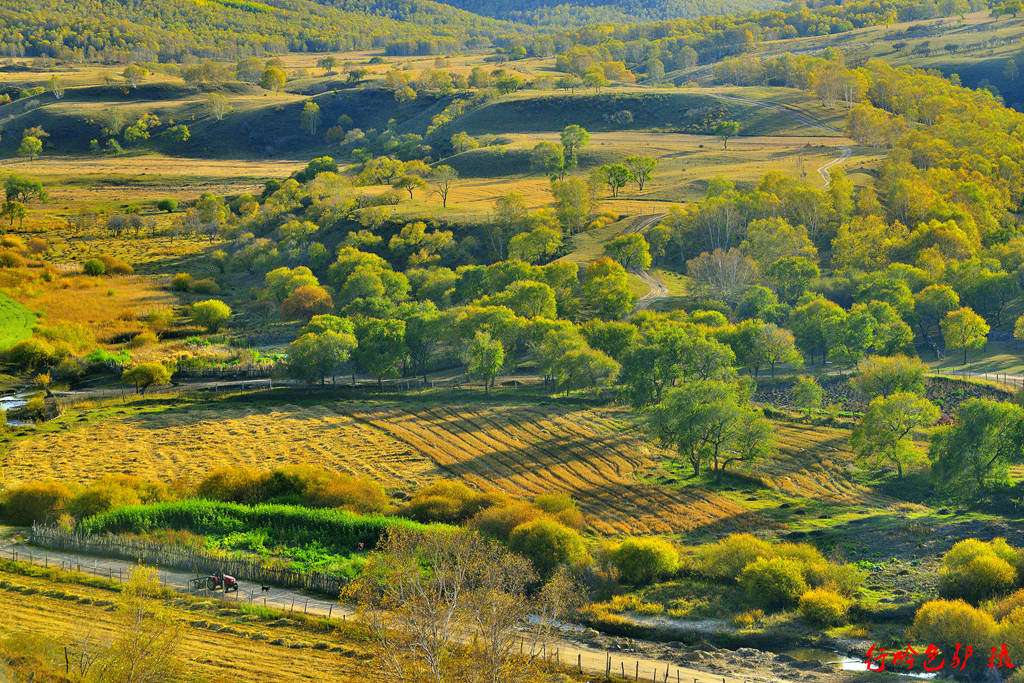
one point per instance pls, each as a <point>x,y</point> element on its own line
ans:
<point>592,660</point>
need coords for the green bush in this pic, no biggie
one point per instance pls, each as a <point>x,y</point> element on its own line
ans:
<point>181,282</point>
<point>210,314</point>
<point>205,286</point>
<point>337,530</point>
<point>774,583</point>
<point>94,266</point>
<point>498,521</point>
<point>31,354</point>
<point>548,545</point>
<point>824,607</point>
<point>641,561</point>
<point>41,501</point>
<point>948,622</point>
<point>168,205</point>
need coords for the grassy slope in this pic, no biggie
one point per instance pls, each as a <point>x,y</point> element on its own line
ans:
<point>16,322</point>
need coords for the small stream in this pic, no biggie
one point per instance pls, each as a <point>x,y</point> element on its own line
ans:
<point>844,662</point>
<point>10,403</point>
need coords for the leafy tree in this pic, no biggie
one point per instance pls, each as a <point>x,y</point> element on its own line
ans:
<point>632,251</point>
<point>778,346</point>
<point>709,423</point>
<point>21,189</point>
<point>641,169</point>
<point>792,276</point>
<point>583,368</point>
<point>725,130</point>
<point>210,314</point>
<point>409,183</point>
<point>30,147</point>
<point>771,239</point>
<point>146,375</point>
<point>273,78</point>
<point>548,158</point>
<point>810,323</point>
<point>134,74</point>
<point>931,305</point>
<point>424,329</point>
<point>380,347</point>
<point>315,356</point>
<point>641,561</point>
<point>219,108</point>
<point>536,245</point>
<point>307,301</point>
<point>807,394</point>
<point>615,177</point>
<point>548,545</point>
<point>722,275</point>
<point>573,203</point>
<point>573,138</point>
<point>964,329</point>
<point>884,432</point>
<point>974,454</point>
<point>14,211</point>
<point>606,289</point>
<point>463,142</point>
<point>443,177</point>
<point>310,117</point>
<point>484,358</point>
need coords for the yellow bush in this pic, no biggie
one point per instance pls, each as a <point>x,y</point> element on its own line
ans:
<point>144,338</point>
<point>947,622</point>
<point>981,578</point>
<point>1011,632</point>
<point>824,607</point>
<point>233,484</point>
<point>101,497</point>
<point>360,494</point>
<point>41,501</point>
<point>725,559</point>
<point>548,545</point>
<point>181,282</point>
<point>777,582</point>
<point>748,618</point>
<point>445,501</point>
<point>499,521</point>
<point>1000,609</point>
<point>632,603</point>
<point>643,560</point>
<point>115,266</point>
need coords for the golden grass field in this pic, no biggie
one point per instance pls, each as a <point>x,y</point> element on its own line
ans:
<point>227,647</point>
<point>596,455</point>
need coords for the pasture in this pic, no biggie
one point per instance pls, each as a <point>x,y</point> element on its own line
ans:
<point>598,455</point>
<point>16,322</point>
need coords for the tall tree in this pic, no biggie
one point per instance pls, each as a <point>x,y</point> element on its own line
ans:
<point>964,329</point>
<point>573,138</point>
<point>884,431</point>
<point>484,358</point>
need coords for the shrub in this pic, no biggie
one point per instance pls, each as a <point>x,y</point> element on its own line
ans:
<point>146,375</point>
<point>498,521</point>
<point>641,561</point>
<point>1011,632</point>
<point>548,545</point>
<point>76,335</point>
<point>94,266</point>
<point>211,314</point>
<point>101,497</point>
<point>307,301</point>
<point>205,286</point>
<point>824,607</point>
<point>1000,609</point>
<point>31,354</point>
<point>144,338</point>
<point>12,242</point>
<point>445,501</point>
<point>234,485</point>
<point>115,266</point>
<point>41,501</point>
<point>11,259</point>
<point>562,507</point>
<point>773,583</point>
<point>360,494</point>
<point>947,622</point>
<point>975,570</point>
<point>168,205</point>
<point>181,282</point>
<point>725,559</point>
<point>37,245</point>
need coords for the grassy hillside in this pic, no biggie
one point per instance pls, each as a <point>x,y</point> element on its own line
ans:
<point>16,322</point>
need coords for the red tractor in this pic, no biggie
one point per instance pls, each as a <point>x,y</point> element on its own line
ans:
<point>219,581</point>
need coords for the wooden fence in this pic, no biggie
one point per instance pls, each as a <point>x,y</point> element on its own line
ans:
<point>202,562</point>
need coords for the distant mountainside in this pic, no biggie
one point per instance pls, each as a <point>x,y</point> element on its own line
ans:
<point>580,12</point>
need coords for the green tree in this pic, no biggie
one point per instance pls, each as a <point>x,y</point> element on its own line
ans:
<point>146,375</point>
<point>641,169</point>
<point>380,347</point>
<point>725,130</point>
<point>931,305</point>
<point>709,423</point>
<point>21,189</point>
<point>315,356</point>
<point>134,74</point>
<point>548,158</point>
<point>424,329</point>
<point>583,368</point>
<point>807,394</point>
<point>615,177</point>
<point>549,545</point>
<point>273,78</point>
<point>964,329</point>
<point>792,276</point>
<point>641,561</point>
<point>885,375</point>
<point>409,183</point>
<point>573,203</point>
<point>810,322</point>
<point>607,291</point>
<point>219,108</point>
<point>974,453</point>
<point>632,251</point>
<point>310,117</point>
<point>484,358</point>
<point>884,432</point>
<point>574,138</point>
<point>443,177</point>
<point>210,314</point>
<point>30,147</point>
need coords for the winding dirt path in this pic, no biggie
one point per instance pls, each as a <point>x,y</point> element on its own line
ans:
<point>592,660</point>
